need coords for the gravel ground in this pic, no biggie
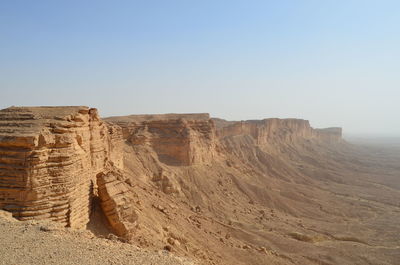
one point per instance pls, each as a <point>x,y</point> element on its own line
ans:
<point>25,243</point>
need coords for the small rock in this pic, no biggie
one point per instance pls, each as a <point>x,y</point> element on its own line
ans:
<point>112,237</point>
<point>168,248</point>
<point>171,241</point>
<point>44,228</point>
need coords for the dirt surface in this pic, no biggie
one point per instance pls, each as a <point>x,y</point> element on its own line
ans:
<point>34,243</point>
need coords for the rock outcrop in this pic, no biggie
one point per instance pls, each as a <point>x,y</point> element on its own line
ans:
<point>117,202</point>
<point>219,191</point>
<point>272,131</point>
<point>49,159</point>
<point>332,135</point>
<point>273,191</point>
<point>55,160</point>
<point>179,140</point>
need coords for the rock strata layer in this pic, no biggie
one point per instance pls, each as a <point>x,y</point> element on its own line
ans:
<point>49,159</point>
<point>55,160</point>
<point>180,140</point>
<point>117,202</point>
<point>270,131</point>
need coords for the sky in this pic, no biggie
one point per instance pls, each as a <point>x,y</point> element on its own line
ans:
<point>335,63</point>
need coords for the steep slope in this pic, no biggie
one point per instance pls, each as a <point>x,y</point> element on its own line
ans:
<point>273,193</point>
<point>180,140</point>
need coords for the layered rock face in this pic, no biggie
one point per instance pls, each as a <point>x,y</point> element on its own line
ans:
<point>160,180</point>
<point>270,131</point>
<point>332,135</point>
<point>49,159</point>
<point>117,202</point>
<point>54,160</point>
<point>179,140</point>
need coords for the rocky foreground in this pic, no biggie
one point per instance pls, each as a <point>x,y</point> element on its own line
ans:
<point>273,191</point>
<point>36,243</point>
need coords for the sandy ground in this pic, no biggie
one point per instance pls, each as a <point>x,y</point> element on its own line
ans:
<point>34,243</point>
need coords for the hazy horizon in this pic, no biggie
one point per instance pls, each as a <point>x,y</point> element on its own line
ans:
<point>335,64</point>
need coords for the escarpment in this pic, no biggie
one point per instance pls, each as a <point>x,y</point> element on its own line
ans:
<point>49,159</point>
<point>273,131</point>
<point>333,134</point>
<point>180,181</point>
<point>50,156</point>
<point>178,139</point>
<point>272,191</point>
<point>190,139</point>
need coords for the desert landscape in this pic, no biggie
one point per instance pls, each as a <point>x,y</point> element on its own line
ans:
<point>77,188</point>
<point>199,132</point>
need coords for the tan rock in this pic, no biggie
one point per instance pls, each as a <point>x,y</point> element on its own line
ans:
<point>117,201</point>
<point>178,139</point>
<point>275,130</point>
<point>50,157</point>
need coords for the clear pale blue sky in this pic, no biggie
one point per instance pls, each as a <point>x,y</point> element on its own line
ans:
<point>335,63</point>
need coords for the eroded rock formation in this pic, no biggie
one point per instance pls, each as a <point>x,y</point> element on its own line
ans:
<point>50,156</point>
<point>154,175</point>
<point>274,191</point>
<point>49,159</point>
<point>185,139</point>
<point>333,134</point>
<point>117,202</point>
<point>275,130</point>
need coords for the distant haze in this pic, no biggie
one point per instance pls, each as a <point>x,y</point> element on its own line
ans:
<point>335,63</point>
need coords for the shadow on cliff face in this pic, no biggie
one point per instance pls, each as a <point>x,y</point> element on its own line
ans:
<point>98,223</point>
<point>169,160</point>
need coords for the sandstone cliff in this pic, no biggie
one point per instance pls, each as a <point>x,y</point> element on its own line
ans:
<point>333,134</point>
<point>49,160</point>
<point>50,156</point>
<point>184,139</point>
<point>271,131</point>
<point>185,183</point>
<point>273,191</point>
